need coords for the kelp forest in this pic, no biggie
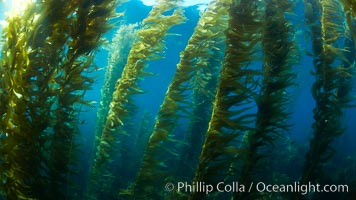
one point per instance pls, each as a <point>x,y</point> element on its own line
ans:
<point>240,99</point>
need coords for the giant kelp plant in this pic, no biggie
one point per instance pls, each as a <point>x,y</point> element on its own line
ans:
<point>46,56</point>
<point>236,89</point>
<point>204,82</point>
<point>279,54</point>
<point>15,128</point>
<point>119,48</point>
<point>329,73</point>
<point>85,37</point>
<point>272,102</point>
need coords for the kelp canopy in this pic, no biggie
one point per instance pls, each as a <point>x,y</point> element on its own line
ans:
<point>226,114</point>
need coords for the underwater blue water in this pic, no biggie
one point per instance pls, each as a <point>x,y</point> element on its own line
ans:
<point>301,101</point>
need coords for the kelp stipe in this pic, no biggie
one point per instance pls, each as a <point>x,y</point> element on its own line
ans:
<point>144,132</point>
<point>140,141</point>
<point>161,151</point>
<point>329,70</point>
<point>232,115</point>
<point>279,55</point>
<point>203,56</point>
<point>149,45</point>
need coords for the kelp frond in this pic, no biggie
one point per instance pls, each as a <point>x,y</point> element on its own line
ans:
<point>332,28</point>
<point>349,7</point>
